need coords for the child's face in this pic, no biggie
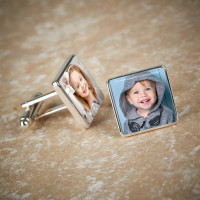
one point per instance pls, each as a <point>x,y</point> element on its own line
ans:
<point>79,84</point>
<point>143,95</point>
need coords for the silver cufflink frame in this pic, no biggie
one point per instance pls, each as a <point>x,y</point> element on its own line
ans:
<point>73,99</point>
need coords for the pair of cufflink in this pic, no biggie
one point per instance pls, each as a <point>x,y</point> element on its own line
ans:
<point>81,95</point>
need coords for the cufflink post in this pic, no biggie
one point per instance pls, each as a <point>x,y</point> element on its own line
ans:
<point>33,106</point>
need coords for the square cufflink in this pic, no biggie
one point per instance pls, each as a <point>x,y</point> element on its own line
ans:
<point>76,88</point>
<point>142,101</point>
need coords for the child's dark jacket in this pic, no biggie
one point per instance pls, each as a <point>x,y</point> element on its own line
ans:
<point>159,115</point>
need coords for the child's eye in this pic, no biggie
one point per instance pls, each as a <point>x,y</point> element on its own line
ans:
<point>147,89</point>
<point>136,92</point>
<point>81,79</point>
<point>78,86</point>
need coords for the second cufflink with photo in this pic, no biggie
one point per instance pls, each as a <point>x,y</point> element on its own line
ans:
<point>142,101</point>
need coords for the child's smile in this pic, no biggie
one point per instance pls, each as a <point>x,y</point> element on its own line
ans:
<point>85,90</point>
<point>145,101</point>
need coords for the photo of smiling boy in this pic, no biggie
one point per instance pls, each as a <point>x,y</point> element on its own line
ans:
<point>140,102</point>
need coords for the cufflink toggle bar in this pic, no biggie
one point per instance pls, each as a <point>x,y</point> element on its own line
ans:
<point>33,106</point>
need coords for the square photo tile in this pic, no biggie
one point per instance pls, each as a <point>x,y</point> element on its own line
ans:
<point>142,101</point>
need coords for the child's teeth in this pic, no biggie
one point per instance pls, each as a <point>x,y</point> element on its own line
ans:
<point>145,101</point>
